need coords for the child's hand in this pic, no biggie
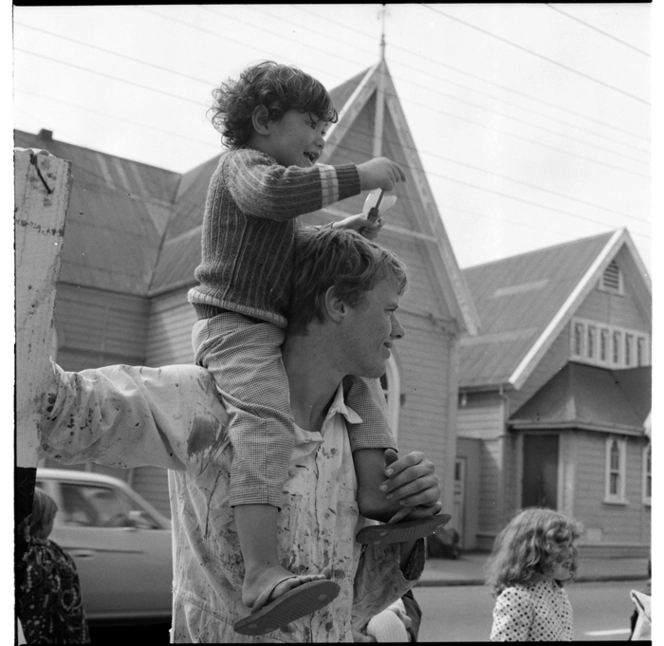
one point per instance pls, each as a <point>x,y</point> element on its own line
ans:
<point>362,224</point>
<point>380,172</point>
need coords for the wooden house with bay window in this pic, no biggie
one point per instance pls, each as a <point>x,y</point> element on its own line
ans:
<point>555,393</point>
<point>132,242</point>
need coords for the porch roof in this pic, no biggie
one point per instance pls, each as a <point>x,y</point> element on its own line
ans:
<point>591,398</point>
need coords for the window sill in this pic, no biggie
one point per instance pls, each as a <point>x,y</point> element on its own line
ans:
<point>623,502</point>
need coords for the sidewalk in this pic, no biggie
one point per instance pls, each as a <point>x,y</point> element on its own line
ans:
<point>468,570</point>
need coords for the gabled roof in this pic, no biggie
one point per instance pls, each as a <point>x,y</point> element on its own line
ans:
<point>415,215</point>
<point>525,301</point>
<point>591,398</point>
<point>129,200</point>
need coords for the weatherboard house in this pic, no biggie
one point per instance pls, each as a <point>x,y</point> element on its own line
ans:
<point>132,242</point>
<point>555,394</point>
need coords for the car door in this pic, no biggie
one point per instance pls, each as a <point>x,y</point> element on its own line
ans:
<point>122,552</point>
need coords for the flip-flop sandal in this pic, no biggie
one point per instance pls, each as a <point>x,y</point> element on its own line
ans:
<point>409,530</point>
<point>298,602</point>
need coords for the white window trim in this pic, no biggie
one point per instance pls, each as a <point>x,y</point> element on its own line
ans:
<point>596,358</point>
<point>619,498</point>
<point>393,395</point>
<point>646,497</point>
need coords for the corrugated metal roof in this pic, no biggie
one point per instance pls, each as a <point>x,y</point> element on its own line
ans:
<point>516,298</point>
<point>583,396</point>
<point>117,216</point>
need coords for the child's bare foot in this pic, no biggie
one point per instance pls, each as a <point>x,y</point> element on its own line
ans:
<point>262,586</point>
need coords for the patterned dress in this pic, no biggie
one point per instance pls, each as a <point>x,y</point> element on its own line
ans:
<point>536,612</point>
<point>50,605</point>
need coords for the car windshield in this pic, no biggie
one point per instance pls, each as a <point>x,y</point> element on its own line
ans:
<point>95,505</point>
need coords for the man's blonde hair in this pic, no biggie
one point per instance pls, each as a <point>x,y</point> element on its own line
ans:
<point>339,258</point>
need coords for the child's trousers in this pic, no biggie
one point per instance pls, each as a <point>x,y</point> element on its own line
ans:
<point>244,356</point>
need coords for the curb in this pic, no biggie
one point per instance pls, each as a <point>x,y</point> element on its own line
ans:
<point>599,578</point>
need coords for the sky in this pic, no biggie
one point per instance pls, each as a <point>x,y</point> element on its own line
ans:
<point>532,121</point>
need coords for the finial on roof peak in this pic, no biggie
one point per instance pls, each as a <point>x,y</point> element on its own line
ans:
<point>383,13</point>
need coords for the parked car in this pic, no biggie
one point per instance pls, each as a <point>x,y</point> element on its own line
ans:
<point>121,545</point>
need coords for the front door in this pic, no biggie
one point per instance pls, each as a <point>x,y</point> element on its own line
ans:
<point>458,498</point>
<point>539,487</point>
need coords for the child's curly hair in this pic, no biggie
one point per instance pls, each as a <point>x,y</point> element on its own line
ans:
<point>529,546</point>
<point>278,87</point>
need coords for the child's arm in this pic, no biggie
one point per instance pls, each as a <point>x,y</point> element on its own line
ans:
<point>368,228</point>
<point>263,188</point>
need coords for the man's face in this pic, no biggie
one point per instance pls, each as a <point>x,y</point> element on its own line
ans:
<point>297,139</point>
<point>370,328</point>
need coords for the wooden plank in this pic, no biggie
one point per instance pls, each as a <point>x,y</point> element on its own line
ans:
<point>41,197</point>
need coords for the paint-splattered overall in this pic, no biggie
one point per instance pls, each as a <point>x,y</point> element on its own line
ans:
<point>171,418</point>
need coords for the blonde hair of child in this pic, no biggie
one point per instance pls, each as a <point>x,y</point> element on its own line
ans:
<point>529,546</point>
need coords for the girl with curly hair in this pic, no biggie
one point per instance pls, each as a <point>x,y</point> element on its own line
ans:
<point>531,559</point>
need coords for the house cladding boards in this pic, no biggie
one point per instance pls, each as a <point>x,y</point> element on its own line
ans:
<point>490,516</point>
<point>99,328</point>
<point>614,309</point>
<point>172,318</point>
<point>424,358</point>
<point>481,417</point>
<point>618,523</point>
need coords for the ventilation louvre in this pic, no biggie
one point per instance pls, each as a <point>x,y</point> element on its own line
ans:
<point>611,277</point>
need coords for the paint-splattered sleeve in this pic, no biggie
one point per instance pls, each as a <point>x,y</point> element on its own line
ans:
<point>379,580</point>
<point>125,416</point>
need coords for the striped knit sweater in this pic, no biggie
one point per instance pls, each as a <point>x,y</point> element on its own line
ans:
<point>251,213</point>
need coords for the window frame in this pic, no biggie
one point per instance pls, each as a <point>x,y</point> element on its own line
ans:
<point>606,336</point>
<point>647,475</point>
<point>617,498</point>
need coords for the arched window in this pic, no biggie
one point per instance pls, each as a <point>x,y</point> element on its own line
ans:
<point>392,389</point>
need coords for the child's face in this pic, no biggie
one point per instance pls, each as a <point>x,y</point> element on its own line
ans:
<point>562,567</point>
<point>296,139</point>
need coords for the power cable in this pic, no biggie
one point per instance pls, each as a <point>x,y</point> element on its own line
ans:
<point>484,80</point>
<point>622,42</point>
<point>422,105</point>
<point>133,59</point>
<point>116,118</point>
<point>110,76</point>
<point>159,91</point>
<point>541,56</point>
<point>348,149</point>
<point>114,53</point>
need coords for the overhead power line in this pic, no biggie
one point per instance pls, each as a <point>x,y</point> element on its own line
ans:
<point>437,156</point>
<point>541,56</point>
<point>437,91</point>
<point>438,111</point>
<point>622,42</point>
<point>110,76</point>
<point>437,61</point>
<point>117,118</point>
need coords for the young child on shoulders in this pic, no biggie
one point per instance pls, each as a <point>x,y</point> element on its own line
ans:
<point>531,559</point>
<point>273,120</point>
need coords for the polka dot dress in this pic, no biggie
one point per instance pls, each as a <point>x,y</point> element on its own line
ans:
<point>536,612</point>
